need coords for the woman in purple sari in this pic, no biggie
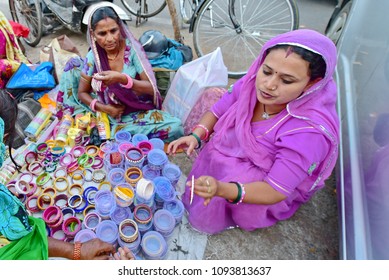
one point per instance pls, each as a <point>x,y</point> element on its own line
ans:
<point>116,78</point>
<point>275,138</point>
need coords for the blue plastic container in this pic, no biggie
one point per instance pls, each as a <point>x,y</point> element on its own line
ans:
<point>176,207</point>
<point>164,222</point>
<point>172,172</point>
<point>108,231</point>
<point>154,246</point>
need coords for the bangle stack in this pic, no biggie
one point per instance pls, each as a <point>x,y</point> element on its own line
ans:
<point>128,230</point>
<point>130,82</point>
<point>205,129</point>
<point>241,194</point>
<point>197,138</point>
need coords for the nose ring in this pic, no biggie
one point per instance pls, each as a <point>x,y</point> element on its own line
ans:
<point>273,88</point>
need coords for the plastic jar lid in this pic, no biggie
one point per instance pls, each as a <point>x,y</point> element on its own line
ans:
<point>157,159</point>
<point>122,136</point>
<point>108,231</point>
<point>105,202</point>
<point>164,222</point>
<point>136,138</point>
<point>164,189</point>
<point>124,146</point>
<point>84,235</point>
<point>116,176</point>
<point>157,143</point>
<point>120,214</point>
<point>154,245</point>
<point>176,207</point>
<point>149,173</point>
<point>172,172</point>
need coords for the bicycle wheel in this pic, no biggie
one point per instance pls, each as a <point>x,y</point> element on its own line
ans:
<point>148,8</point>
<point>28,13</point>
<point>259,21</point>
<point>187,9</point>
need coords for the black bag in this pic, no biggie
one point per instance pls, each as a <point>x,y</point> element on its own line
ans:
<point>186,52</point>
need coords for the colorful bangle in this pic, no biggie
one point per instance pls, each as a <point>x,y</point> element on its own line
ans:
<point>143,214</point>
<point>66,159</point>
<point>77,151</point>
<point>33,189</point>
<point>67,229</point>
<point>91,220</point>
<point>126,237</point>
<point>130,82</point>
<point>75,201</point>
<point>77,177</point>
<point>30,206</point>
<point>51,215</point>
<point>243,194</point>
<point>57,231</point>
<point>197,138</point>
<point>88,175</point>
<point>26,176</point>
<point>89,209</point>
<point>58,180</point>
<point>105,185</point>
<point>204,128</point>
<point>98,163</point>
<point>89,163</point>
<point>30,157</point>
<point>239,196</point>
<point>98,175</point>
<point>22,187</point>
<point>145,146</point>
<point>44,201</point>
<point>35,168</point>
<point>68,211</point>
<point>60,172</point>
<point>92,105</point>
<point>50,191</point>
<point>61,197</point>
<point>43,179</point>
<point>75,186</point>
<point>92,150</point>
<point>134,155</point>
<point>130,173</point>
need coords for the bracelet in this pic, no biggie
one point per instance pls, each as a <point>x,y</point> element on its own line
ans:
<point>98,175</point>
<point>75,186</point>
<point>43,178</point>
<point>60,172</point>
<point>91,220</point>
<point>28,175</point>
<point>129,175</point>
<point>30,206</point>
<point>35,168</point>
<point>33,190</point>
<point>98,162</point>
<point>88,192</point>
<point>68,210</point>
<point>61,179</point>
<point>197,138</point>
<point>75,201</point>
<point>92,150</point>
<point>143,214</point>
<point>66,159</point>
<point>239,196</point>
<point>67,228</point>
<point>83,159</point>
<point>50,191</point>
<point>134,155</point>
<point>130,82</point>
<point>77,151</point>
<point>243,194</point>
<point>128,223</point>
<point>52,215</point>
<point>22,187</point>
<point>78,177</point>
<point>115,158</point>
<point>59,197</point>
<point>44,198</point>
<point>30,157</point>
<point>103,184</point>
<point>55,230</point>
<point>88,175</point>
<point>204,128</point>
<point>145,146</point>
<point>92,105</point>
<point>124,195</point>
<point>89,209</point>
<point>124,146</point>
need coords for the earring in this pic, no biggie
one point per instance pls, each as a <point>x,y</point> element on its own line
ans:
<point>94,38</point>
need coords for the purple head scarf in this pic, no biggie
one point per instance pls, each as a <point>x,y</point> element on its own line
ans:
<point>317,105</point>
<point>126,97</point>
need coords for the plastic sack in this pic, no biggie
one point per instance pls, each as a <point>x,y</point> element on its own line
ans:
<point>190,81</point>
<point>32,77</point>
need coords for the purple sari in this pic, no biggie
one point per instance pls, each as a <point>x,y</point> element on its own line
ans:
<point>245,151</point>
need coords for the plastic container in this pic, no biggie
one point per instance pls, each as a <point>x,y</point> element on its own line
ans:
<point>164,190</point>
<point>157,143</point>
<point>172,172</point>
<point>157,159</point>
<point>124,194</point>
<point>136,138</point>
<point>149,173</point>
<point>123,136</point>
<point>84,235</point>
<point>108,231</point>
<point>120,214</point>
<point>133,246</point>
<point>113,160</point>
<point>105,203</point>
<point>176,207</point>
<point>116,176</point>
<point>144,228</point>
<point>154,246</point>
<point>164,222</point>
<point>145,190</point>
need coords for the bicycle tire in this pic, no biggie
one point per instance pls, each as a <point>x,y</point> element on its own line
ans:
<point>187,9</point>
<point>28,13</point>
<point>259,20</point>
<point>154,7</point>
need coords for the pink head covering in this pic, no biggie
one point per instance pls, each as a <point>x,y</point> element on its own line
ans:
<point>317,105</point>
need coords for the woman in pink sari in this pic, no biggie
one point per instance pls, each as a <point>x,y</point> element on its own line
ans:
<point>275,138</point>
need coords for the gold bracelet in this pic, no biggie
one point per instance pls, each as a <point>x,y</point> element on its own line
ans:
<point>105,183</point>
<point>75,186</point>
<point>61,179</point>
<point>133,171</point>
<point>128,223</point>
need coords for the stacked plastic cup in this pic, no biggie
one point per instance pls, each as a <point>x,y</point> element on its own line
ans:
<point>105,203</point>
<point>157,159</point>
<point>108,231</point>
<point>120,214</point>
<point>164,191</point>
<point>176,207</point>
<point>164,222</point>
<point>149,173</point>
<point>172,172</point>
<point>154,246</point>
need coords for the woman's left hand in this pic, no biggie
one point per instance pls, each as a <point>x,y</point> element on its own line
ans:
<point>206,187</point>
<point>108,77</point>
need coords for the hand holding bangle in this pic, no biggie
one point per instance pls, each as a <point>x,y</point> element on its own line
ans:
<point>189,141</point>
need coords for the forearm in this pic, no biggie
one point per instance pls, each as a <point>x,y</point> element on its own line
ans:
<point>142,86</point>
<point>256,192</point>
<point>58,248</point>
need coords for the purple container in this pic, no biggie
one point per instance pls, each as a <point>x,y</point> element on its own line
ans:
<point>108,231</point>
<point>84,235</point>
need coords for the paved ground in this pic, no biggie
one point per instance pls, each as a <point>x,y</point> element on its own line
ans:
<point>313,232</point>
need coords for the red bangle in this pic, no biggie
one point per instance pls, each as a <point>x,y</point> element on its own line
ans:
<point>130,82</point>
<point>66,226</point>
<point>204,128</point>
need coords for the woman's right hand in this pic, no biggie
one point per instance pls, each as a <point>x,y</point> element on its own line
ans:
<point>114,110</point>
<point>186,141</point>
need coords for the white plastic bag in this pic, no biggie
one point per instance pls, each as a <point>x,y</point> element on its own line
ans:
<point>190,81</point>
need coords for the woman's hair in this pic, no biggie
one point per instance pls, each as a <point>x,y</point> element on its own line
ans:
<point>317,65</point>
<point>9,114</point>
<point>103,13</point>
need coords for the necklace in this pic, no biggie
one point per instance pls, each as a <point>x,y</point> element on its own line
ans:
<point>266,115</point>
<point>116,53</point>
